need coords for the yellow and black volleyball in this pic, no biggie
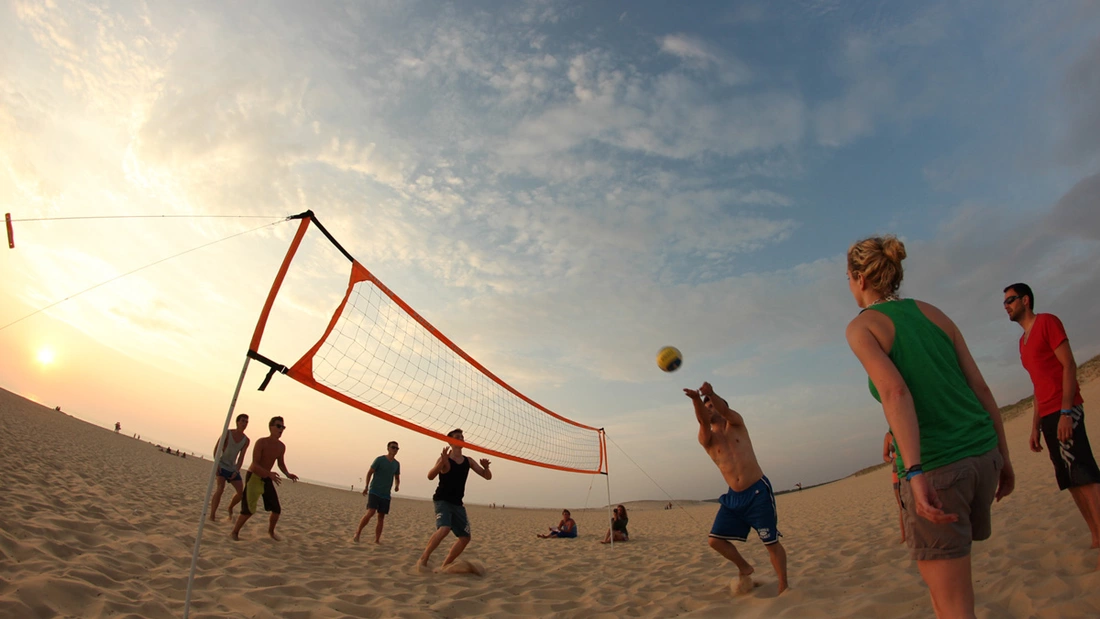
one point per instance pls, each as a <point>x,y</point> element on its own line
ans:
<point>669,359</point>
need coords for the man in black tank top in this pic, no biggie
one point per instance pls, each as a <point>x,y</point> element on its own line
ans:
<point>450,515</point>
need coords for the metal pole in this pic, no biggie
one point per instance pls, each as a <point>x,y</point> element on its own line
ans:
<point>607,478</point>
<point>210,491</point>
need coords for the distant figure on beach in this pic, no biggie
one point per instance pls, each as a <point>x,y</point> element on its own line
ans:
<point>118,426</point>
<point>951,450</point>
<point>383,472</point>
<point>452,468</point>
<point>1059,412</point>
<point>618,531</point>
<point>261,479</point>
<point>799,484</point>
<point>750,501</point>
<point>233,447</point>
<point>889,453</point>
<point>566,528</point>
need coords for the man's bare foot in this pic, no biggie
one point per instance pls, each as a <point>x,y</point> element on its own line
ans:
<point>355,539</point>
<point>214,518</point>
<point>233,536</point>
<point>782,587</point>
<point>422,567</point>
<point>274,537</point>
<point>378,541</point>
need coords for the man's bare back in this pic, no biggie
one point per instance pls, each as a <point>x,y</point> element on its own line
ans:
<point>723,435</point>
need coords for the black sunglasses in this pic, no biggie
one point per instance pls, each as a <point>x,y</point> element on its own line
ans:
<point>394,447</point>
<point>1012,299</point>
<point>281,427</point>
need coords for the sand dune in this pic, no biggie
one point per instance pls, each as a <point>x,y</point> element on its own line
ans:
<point>96,524</point>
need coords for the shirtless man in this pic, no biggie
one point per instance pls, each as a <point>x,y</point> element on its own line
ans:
<point>261,480</point>
<point>232,448</point>
<point>750,501</point>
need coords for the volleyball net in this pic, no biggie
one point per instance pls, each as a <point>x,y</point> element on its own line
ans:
<point>381,357</point>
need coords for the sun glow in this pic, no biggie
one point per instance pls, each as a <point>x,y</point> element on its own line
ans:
<point>45,356</point>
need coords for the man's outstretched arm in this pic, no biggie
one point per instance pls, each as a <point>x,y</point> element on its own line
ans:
<point>701,415</point>
<point>721,406</point>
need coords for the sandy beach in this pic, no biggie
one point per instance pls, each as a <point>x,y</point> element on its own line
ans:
<point>98,524</point>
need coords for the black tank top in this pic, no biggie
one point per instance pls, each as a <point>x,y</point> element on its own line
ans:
<point>452,484</point>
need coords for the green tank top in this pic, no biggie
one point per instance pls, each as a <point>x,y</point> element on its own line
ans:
<point>953,423</point>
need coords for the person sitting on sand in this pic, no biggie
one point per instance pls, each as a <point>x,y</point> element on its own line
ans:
<point>261,479</point>
<point>566,528</point>
<point>619,521</point>
<point>750,501</point>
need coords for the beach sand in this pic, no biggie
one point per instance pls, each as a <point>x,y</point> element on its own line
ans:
<point>97,524</point>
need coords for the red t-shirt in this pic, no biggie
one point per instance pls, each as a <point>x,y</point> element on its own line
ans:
<point>1038,358</point>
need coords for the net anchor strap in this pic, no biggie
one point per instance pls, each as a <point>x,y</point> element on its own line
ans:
<point>272,368</point>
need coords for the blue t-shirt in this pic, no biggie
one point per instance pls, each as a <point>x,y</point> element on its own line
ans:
<point>384,472</point>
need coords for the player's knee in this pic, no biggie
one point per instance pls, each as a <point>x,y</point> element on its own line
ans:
<point>716,543</point>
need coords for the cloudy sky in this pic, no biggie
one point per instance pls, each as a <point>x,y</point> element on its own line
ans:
<point>560,187</point>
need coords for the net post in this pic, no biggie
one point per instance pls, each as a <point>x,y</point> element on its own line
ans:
<point>11,234</point>
<point>254,345</point>
<point>210,491</point>
<point>607,478</point>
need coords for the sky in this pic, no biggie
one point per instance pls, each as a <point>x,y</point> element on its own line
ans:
<point>562,188</point>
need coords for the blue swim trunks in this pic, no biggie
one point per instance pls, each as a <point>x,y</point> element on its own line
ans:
<point>753,507</point>
<point>229,474</point>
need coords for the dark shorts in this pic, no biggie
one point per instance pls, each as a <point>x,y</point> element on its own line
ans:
<point>563,534</point>
<point>753,507</point>
<point>378,504</point>
<point>448,514</point>
<point>256,487</point>
<point>1074,464</point>
<point>965,488</point>
<point>229,475</point>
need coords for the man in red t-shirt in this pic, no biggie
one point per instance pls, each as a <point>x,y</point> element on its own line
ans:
<point>1046,355</point>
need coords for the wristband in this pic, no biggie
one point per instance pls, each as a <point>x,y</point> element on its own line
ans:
<point>1066,412</point>
<point>913,471</point>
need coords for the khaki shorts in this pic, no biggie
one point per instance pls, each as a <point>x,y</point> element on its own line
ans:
<point>965,488</point>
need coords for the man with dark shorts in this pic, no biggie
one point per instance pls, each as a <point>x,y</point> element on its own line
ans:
<point>383,472</point>
<point>750,501</point>
<point>1059,413</point>
<point>450,515</point>
<point>262,479</point>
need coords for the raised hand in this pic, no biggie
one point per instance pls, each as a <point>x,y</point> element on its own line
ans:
<point>706,390</point>
<point>691,393</point>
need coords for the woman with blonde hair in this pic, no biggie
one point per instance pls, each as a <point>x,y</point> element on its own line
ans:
<point>952,456</point>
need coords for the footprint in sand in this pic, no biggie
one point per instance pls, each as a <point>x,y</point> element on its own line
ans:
<point>741,585</point>
<point>463,566</point>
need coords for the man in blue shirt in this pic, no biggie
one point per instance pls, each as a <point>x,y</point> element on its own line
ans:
<point>384,472</point>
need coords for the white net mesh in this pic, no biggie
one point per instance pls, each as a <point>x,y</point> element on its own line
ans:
<point>379,355</point>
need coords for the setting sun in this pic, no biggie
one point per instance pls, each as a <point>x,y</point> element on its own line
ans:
<point>45,356</point>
